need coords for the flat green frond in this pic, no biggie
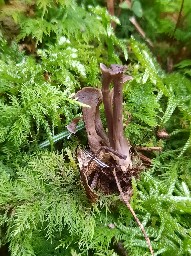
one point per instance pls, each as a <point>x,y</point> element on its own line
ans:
<point>171,106</point>
<point>147,61</point>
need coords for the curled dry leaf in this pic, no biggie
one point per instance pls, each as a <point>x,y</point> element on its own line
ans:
<point>71,127</point>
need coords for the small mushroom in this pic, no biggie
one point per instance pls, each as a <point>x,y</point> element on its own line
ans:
<point>96,134</point>
<point>107,101</point>
<point>114,110</point>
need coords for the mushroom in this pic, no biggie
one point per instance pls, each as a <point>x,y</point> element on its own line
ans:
<point>107,101</point>
<point>95,132</point>
<point>114,111</point>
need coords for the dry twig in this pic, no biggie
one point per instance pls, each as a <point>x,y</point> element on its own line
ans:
<point>140,30</point>
<point>125,200</point>
<point>179,18</point>
<point>148,149</point>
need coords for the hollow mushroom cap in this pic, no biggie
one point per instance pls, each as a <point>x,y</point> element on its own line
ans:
<point>89,96</point>
<point>114,70</point>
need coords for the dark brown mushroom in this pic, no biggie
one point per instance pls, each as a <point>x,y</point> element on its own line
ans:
<point>107,101</point>
<point>96,134</point>
<point>114,111</point>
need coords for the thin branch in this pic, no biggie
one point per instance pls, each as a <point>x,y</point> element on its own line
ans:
<point>179,18</point>
<point>110,7</point>
<point>124,198</point>
<point>111,10</point>
<point>140,30</point>
<point>149,149</point>
<point>145,159</point>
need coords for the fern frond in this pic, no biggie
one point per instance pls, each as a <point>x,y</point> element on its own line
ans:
<point>147,61</point>
<point>186,146</point>
<point>171,106</point>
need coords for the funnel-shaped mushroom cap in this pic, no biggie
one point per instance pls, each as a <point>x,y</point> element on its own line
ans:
<point>115,70</point>
<point>89,96</point>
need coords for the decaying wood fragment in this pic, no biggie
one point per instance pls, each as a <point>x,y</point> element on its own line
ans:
<point>83,164</point>
<point>162,134</point>
<point>148,149</point>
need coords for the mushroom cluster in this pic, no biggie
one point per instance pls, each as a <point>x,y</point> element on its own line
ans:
<point>112,99</point>
<point>109,146</point>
